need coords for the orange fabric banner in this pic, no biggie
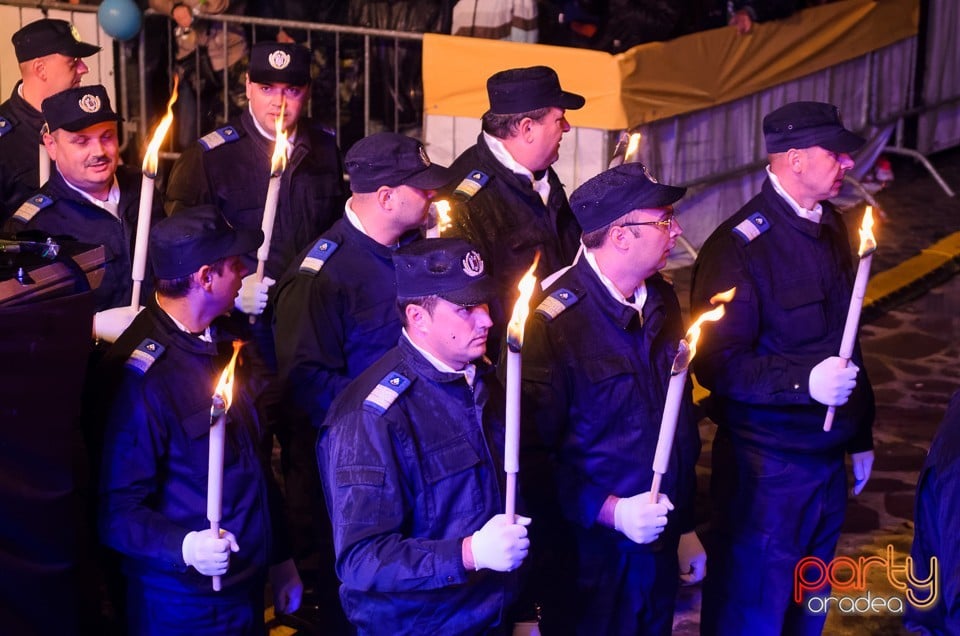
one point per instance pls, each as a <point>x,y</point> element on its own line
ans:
<point>664,79</point>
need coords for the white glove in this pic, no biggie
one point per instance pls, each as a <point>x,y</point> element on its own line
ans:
<point>692,559</point>
<point>287,587</point>
<point>832,381</point>
<point>640,520</point>
<point>206,552</point>
<point>252,297</point>
<point>500,545</point>
<point>110,323</point>
<point>862,467</point>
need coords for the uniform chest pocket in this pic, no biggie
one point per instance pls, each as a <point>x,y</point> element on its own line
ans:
<point>611,378</point>
<point>452,473</point>
<point>611,402</point>
<point>801,319</point>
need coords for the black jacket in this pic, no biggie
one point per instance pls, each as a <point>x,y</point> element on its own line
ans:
<point>155,461</point>
<point>508,222</point>
<point>328,327</point>
<point>20,141</point>
<point>405,483</point>
<point>234,174</point>
<point>794,281</point>
<point>66,212</point>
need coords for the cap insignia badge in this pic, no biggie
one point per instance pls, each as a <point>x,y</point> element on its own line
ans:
<point>472,264</point>
<point>74,33</point>
<point>279,59</point>
<point>424,157</point>
<point>89,103</point>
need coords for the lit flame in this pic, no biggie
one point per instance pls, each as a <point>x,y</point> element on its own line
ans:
<point>278,162</point>
<point>522,307</point>
<point>693,333</point>
<point>224,390</point>
<point>633,145</point>
<point>150,158</point>
<point>441,209</point>
<point>867,241</point>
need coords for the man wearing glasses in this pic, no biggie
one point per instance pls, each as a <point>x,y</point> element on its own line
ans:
<point>597,358</point>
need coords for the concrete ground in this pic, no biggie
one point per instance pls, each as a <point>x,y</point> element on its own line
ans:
<point>909,341</point>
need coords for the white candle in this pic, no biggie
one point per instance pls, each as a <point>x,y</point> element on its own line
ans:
<point>215,472</point>
<point>511,442</point>
<point>868,246</point>
<point>686,349</point>
<point>145,211</point>
<point>269,216</point>
<point>220,404</point>
<point>668,422</point>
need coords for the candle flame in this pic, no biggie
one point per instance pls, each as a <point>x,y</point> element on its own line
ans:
<point>633,145</point>
<point>521,309</point>
<point>867,241</point>
<point>713,315</point>
<point>224,389</point>
<point>441,208</point>
<point>151,156</point>
<point>278,162</point>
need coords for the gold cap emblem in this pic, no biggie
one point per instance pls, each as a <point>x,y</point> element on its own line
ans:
<point>472,264</point>
<point>89,103</point>
<point>279,59</point>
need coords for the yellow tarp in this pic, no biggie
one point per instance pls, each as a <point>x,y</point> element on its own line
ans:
<point>663,79</point>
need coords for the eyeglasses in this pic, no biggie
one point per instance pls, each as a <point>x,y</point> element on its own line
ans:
<point>662,223</point>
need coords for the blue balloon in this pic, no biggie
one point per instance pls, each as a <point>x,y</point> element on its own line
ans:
<point>119,18</point>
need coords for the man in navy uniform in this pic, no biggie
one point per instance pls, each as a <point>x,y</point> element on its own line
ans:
<point>50,54</point>
<point>163,371</point>
<point>597,356</point>
<point>90,197</point>
<point>411,455</point>
<point>511,202</point>
<point>772,367</point>
<point>336,309</point>
<point>230,167</point>
<point>935,518</point>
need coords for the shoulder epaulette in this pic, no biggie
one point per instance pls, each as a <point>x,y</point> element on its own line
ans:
<point>220,136</point>
<point>471,184</point>
<point>29,208</point>
<point>318,255</point>
<point>5,126</point>
<point>386,392</point>
<point>556,303</point>
<point>751,227</point>
<point>143,357</point>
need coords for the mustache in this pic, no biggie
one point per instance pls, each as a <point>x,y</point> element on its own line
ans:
<point>95,162</point>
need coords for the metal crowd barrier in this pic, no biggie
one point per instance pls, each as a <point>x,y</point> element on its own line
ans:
<point>709,150</point>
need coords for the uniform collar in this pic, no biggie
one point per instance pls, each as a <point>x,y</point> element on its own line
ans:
<point>468,373</point>
<point>636,300</point>
<point>541,186</point>
<point>813,215</point>
<point>111,205</point>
